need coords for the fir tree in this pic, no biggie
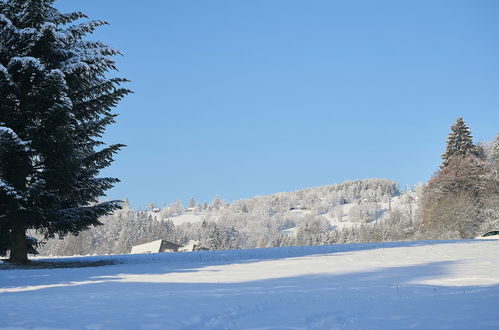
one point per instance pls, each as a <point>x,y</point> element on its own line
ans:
<point>55,103</point>
<point>459,142</point>
<point>494,150</point>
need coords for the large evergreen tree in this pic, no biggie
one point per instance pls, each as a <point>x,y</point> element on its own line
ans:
<point>55,103</point>
<point>459,142</point>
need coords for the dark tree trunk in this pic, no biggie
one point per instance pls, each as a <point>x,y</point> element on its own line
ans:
<point>19,249</point>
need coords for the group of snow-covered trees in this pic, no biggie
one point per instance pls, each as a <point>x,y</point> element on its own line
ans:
<point>262,221</point>
<point>120,231</point>
<point>462,199</point>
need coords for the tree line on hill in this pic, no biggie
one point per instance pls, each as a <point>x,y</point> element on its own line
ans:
<point>256,222</point>
<point>460,201</point>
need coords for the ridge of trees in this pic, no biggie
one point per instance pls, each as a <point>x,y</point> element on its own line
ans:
<point>460,201</point>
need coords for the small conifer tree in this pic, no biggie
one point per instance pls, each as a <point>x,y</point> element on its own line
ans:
<point>494,150</point>
<point>55,103</point>
<point>459,142</point>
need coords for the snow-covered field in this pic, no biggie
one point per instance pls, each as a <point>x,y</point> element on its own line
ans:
<point>186,218</point>
<point>419,285</point>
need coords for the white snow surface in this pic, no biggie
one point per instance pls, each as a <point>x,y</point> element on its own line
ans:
<point>179,219</point>
<point>186,218</point>
<point>419,285</point>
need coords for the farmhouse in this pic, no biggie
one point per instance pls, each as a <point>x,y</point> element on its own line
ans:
<point>160,245</point>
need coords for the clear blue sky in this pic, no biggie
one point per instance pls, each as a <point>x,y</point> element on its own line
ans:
<point>244,98</point>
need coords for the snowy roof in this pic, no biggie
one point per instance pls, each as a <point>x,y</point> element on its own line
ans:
<point>157,246</point>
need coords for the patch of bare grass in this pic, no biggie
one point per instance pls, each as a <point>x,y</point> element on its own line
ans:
<point>37,264</point>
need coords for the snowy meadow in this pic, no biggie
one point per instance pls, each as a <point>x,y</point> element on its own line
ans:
<point>419,285</point>
<point>286,110</point>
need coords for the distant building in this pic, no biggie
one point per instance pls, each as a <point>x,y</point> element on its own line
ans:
<point>160,245</point>
<point>297,207</point>
<point>192,246</point>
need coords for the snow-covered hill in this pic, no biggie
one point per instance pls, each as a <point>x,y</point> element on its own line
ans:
<point>419,285</point>
<point>322,215</point>
<point>340,206</point>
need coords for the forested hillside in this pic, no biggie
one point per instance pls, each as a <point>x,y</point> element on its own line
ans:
<point>310,216</point>
<point>460,201</point>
